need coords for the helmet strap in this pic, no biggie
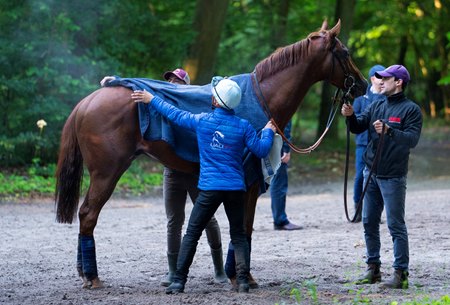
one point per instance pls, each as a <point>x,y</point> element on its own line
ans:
<point>221,101</point>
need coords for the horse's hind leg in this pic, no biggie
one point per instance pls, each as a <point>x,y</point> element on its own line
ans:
<point>101,186</point>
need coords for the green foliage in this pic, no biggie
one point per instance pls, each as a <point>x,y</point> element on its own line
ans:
<point>39,180</point>
<point>23,148</point>
<point>306,293</point>
<point>17,186</point>
<point>54,53</point>
<point>445,300</point>
<point>137,181</point>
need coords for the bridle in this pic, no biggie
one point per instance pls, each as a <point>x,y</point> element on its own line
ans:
<point>349,83</point>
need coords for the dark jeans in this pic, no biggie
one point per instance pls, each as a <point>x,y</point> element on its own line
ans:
<point>204,208</point>
<point>389,194</point>
<point>278,192</point>
<point>359,177</point>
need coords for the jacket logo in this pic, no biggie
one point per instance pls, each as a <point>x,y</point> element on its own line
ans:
<point>216,140</point>
<point>394,120</point>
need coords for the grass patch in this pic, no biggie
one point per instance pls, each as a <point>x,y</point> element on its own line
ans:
<point>141,178</point>
<point>307,293</point>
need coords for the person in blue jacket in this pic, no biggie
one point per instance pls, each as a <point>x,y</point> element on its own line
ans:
<point>362,139</point>
<point>222,138</point>
<point>399,119</point>
<point>176,186</point>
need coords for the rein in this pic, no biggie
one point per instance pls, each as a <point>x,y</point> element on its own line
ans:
<point>349,83</point>
<point>332,114</point>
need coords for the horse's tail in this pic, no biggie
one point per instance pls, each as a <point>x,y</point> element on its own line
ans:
<point>69,173</point>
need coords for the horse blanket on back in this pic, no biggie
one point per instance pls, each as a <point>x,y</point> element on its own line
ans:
<point>195,99</point>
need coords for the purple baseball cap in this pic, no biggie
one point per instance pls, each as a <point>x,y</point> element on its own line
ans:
<point>397,71</point>
<point>178,73</point>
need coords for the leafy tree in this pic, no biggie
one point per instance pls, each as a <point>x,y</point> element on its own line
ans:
<point>53,53</point>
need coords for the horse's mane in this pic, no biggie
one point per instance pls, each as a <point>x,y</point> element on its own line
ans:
<point>285,57</point>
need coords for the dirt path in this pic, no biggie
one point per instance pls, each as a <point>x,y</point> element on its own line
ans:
<point>316,265</point>
<point>321,261</point>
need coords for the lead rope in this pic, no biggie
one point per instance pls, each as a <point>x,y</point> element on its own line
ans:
<point>331,116</point>
<point>374,164</point>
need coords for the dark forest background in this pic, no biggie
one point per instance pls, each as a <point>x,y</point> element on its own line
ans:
<point>53,53</point>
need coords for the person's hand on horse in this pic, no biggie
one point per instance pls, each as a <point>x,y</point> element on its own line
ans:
<point>142,96</point>
<point>271,126</point>
<point>105,80</point>
<point>347,109</point>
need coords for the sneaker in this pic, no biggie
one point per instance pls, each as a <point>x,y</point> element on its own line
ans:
<point>371,276</point>
<point>287,227</point>
<point>399,280</point>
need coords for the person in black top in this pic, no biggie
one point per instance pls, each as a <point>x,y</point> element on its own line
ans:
<point>400,121</point>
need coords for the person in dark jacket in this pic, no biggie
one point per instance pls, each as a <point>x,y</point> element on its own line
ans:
<point>222,138</point>
<point>400,121</point>
<point>361,139</point>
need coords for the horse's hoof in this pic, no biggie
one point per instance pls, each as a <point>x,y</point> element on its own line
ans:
<point>86,284</point>
<point>96,283</point>
<point>252,282</point>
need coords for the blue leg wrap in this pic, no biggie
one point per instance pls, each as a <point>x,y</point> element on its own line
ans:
<point>79,258</point>
<point>89,260</point>
<point>230,263</point>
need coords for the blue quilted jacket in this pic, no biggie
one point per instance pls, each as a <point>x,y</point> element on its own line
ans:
<point>222,138</point>
<point>359,105</point>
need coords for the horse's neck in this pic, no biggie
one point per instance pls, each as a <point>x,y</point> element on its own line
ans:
<point>284,93</point>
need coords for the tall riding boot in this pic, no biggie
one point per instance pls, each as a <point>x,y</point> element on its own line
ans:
<point>219,273</point>
<point>399,280</point>
<point>168,278</point>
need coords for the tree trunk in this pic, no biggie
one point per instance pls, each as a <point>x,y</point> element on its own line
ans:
<point>208,23</point>
<point>280,12</point>
<point>344,11</point>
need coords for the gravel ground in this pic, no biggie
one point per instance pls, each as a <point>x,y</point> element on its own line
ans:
<point>317,265</point>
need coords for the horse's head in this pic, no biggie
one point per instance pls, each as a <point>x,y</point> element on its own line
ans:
<point>283,79</point>
<point>342,72</point>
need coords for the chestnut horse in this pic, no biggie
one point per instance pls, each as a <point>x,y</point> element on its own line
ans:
<point>103,132</point>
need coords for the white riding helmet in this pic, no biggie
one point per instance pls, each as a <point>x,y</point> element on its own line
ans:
<point>226,92</point>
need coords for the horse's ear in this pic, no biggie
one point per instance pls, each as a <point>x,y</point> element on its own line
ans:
<point>324,25</point>
<point>336,29</point>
